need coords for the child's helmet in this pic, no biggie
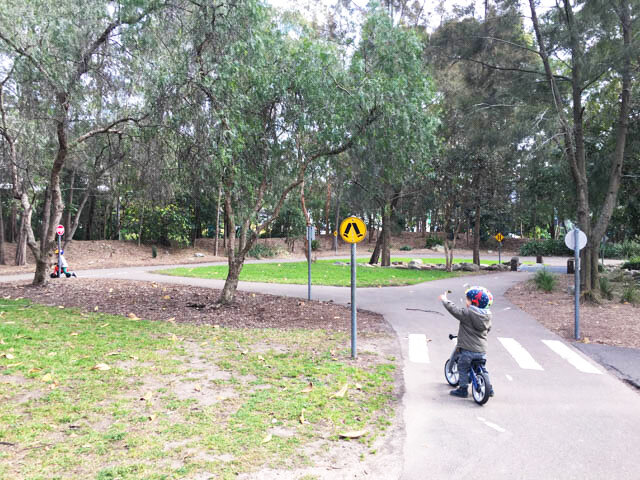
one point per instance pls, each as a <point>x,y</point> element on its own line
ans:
<point>479,297</point>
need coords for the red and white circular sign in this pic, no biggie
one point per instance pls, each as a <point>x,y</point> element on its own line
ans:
<point>60,230</point>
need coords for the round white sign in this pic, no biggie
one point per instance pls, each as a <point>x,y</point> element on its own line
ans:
<point>60,230</point>
<point>570,242</point>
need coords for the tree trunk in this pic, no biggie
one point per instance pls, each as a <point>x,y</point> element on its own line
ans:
<point>89,227</point>
<point>327,208</point>
<point>476,237</point>
<point>3,260</point>
<point>231,283</point>
<point>385,261</point>
<point>67,222</point>
<point>21,247</point>
<point>140,227</point>
<point>73,224</point>
<point>375,256</point>
<point>337,218</point>
<point>215,245</point>
<point>13,223</point>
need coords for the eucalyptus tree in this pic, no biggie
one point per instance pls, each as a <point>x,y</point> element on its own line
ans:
<point>399,145</point>
<point>60,51</point>
<point>482,106</point>
<point>277,101</point>
<point>583,49</point>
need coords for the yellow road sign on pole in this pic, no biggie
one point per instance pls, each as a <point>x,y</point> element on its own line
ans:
<point>499,237</point>
<point>353,230</point>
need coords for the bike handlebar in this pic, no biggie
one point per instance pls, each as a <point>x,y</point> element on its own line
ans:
<point>451,337</point>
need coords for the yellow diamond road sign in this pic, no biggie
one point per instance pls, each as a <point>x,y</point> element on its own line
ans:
<point>499,237</point>
<point>353,230</point>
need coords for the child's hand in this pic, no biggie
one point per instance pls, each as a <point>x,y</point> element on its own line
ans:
<point>443,297</point>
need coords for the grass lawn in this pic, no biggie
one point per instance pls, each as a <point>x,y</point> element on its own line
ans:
<point>323,272</point>
<point>96,396</point>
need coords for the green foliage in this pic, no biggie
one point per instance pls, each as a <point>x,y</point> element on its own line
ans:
<point>315,245</point>
<point>544,280</point>
<point>406,248</point>
<point>161,224</point>
<point>290,222</point>
<point>630,294</point>
<point>260,250</point>
<point>433,241</point>
<point>606,289</point>
<point>154,251</point>
<point>632,264</point>
<point>630,248</point>
<point>548,247</point>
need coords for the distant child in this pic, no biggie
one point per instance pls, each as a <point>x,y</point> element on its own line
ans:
<point>64,267</point>
<point>475,323</point>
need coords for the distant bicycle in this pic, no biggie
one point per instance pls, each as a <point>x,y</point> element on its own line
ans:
<point>478,376</point>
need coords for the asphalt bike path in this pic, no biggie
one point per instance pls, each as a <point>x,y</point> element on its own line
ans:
<point>556,414</point>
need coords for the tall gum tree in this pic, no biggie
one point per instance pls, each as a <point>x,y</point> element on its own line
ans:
<point>399,146</point>
<point>59,60</point>
<point>597,39</point>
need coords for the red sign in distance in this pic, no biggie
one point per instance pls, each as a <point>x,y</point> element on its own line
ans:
<point>60,230</point>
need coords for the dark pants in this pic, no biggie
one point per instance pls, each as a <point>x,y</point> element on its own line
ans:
<point>465,357</point>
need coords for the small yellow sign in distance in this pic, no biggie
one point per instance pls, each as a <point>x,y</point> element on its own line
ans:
<point>335,234</point>
<point>353,230</point>
<point>499,237</point>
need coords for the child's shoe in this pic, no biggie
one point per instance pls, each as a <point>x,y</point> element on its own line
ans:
<point>461,392</point>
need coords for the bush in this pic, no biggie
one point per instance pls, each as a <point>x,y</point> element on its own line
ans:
<point>154,251</point>
<point>264,251</point>
<point>606,288</point>
<point>630,249</point>
<point>632,264</point>
<point>548,247</point>
<point>630,295</point>
<point>315,245</point>
<point>544,280</point>
<point>406,248</point>
<point>433,241</point>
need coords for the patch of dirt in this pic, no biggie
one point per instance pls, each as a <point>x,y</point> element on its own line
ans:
<point>610,322</point>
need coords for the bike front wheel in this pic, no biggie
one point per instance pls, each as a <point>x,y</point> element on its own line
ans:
<point>451,372</point>
<point>481,389</point>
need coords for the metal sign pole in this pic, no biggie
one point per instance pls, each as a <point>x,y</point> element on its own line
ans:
<point>353,301</point>
<point>500,252</point>
<point>59,260</point>
<point>576,259</point>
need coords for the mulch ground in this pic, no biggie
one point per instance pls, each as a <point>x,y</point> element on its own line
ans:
<point>196,305</point>
<point>608,323</point>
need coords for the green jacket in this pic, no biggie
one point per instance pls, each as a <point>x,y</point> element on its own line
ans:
<point>475,324</point>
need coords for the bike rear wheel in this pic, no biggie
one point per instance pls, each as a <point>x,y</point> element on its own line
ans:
<point>451,373</point>
<point>481,389</point>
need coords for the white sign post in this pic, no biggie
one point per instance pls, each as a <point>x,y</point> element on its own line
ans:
<point>576,241</point>
<point>60,232</point>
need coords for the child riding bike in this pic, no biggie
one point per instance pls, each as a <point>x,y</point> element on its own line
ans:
<point>475,323</point>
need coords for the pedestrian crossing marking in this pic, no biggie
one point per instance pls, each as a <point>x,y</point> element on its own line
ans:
<point>418,351</point>
<point>519,354</point>
<point>571,356</point>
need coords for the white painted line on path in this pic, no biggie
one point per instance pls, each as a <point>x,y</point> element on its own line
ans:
<point>510,378</point>
<point>496,427</point>
<point>520,355</point>
<point>418,351</point>
<point>571,356</point>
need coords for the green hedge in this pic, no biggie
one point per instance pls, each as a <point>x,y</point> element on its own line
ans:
<point>433,241</point>
<point>548,247</point>
<point>632,264</point>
